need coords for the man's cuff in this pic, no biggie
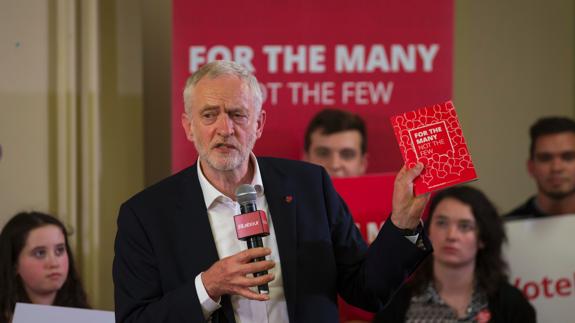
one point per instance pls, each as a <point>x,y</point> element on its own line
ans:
<point>411,235</point>
<point>207,303</point>
<point>413,239</point>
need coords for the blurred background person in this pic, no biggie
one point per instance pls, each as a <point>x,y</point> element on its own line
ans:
<point>337,140</point>
<point>552,165</point>
<point>36,265</point>
<point>466,279</point>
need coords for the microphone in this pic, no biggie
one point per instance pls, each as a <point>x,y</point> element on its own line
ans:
<point>251,225</point>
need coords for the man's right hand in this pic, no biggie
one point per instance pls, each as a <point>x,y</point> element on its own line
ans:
<point>233,275</point>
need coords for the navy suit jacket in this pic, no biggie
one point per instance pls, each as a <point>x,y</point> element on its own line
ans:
<point>164,241</point>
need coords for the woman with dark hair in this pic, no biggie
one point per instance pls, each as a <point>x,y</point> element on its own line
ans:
<point>36,265</point>
<point>466,279</point>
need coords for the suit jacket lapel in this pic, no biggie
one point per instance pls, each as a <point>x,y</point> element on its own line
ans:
<point>281,197</point>
<point>195,215</point>
<point>194,218</point>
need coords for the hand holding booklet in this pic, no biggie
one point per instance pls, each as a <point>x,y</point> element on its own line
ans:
<point>432,135</point>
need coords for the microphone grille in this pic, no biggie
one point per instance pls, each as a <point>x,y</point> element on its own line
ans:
<point>245,193</point>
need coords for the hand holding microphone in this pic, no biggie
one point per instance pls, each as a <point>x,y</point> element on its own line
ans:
<point>232,275</point>
<point>251,225</point>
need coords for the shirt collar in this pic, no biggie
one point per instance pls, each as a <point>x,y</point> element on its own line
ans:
<point>211,194</point>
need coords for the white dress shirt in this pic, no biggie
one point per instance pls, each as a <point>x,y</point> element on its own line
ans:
<point>221,210</point>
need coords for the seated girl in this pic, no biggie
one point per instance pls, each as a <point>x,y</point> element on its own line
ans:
<point>466,278</point>
<point>36,265</point>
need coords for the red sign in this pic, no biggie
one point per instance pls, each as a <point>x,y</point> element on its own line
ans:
<point>375,58</point>
<point>369,199</point>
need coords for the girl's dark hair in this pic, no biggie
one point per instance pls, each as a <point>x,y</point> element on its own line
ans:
<point>490,267</point>
<point>12,241</point>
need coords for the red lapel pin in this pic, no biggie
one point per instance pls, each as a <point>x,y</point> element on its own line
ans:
<point>289,198</point>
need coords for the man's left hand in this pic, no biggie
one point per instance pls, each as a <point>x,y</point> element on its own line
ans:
<point>407,209</point>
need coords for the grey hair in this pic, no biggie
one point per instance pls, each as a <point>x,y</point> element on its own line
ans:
<point>219,68</point>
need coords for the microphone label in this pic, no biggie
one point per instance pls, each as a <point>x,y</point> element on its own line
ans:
<point>251,224</point>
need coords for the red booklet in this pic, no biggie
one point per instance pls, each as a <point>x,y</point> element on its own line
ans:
<point>432,135</point>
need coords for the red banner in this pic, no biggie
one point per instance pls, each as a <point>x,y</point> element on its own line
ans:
<point>375,58</point>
